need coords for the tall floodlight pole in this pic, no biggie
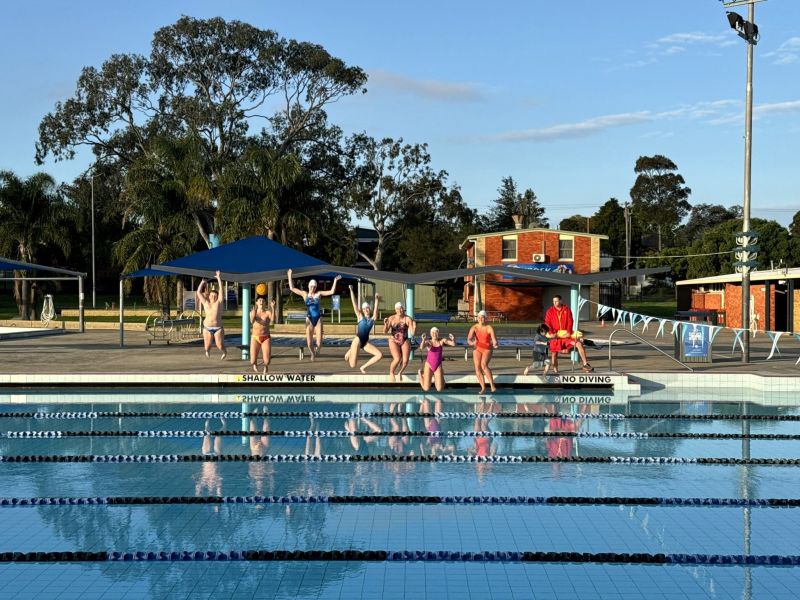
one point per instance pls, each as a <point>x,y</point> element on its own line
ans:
<point>94,296</point>
<point>747,251</point>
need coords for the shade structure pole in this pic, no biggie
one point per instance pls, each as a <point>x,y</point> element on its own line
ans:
<point>246,321</point>
<point>81,325</point>
<point>574,300</point>
<point>121,313</point>
<point>410,307</point>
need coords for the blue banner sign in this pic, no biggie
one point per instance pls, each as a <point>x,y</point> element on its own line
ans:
<point>549,267</point>
<point>695,341</point>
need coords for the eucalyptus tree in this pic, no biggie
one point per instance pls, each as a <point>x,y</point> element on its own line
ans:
<point>33,214</point>
<point>386,178</point>
<point>659,195</point>
<point>206,78</point>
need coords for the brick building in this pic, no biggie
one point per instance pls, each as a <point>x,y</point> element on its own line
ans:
<point>774,301</point>
<point>532,249</point>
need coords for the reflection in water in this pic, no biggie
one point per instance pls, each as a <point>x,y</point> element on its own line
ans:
<point>159,526</point>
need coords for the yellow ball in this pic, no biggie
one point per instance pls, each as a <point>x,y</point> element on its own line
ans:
<point>261,289</point>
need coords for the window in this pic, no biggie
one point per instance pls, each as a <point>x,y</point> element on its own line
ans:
<point>565,251</point>
<point>510,248</point>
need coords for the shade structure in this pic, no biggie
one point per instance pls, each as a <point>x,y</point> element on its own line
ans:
<point>237,261</point>
<point>7,264</point>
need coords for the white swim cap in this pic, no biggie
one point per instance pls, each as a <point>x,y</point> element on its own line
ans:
<point>365,305</point>
<point>398,305</point>
<point>312,283</point>
<point>482,313</point>
<point>436,329</point>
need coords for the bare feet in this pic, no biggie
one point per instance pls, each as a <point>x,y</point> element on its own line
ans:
<point>494,389</point>
<point>207,354</point>
<point>224,354</point>
<point>391,376</point>
<point>525,372</point>
<point>363,370</point>
<point>255,368</point>
<point>482,391</point>
<point>264,372</point>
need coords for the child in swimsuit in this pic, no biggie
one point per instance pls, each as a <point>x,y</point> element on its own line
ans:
<point>366,320</point>
<point>260,319</point>
<point>312,300</point>
<point>432,367</point>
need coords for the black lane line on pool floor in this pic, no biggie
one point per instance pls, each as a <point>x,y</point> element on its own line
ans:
<point>381,414</point>
<point>409,500</point>
<point>353,458</point>
<point>435,434</point>
<point>406,556</point>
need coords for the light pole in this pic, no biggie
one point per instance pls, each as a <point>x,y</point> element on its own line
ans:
<point>94,296</point>
<point>747,250</point>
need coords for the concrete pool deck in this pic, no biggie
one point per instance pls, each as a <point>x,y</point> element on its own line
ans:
<point>95,358</point>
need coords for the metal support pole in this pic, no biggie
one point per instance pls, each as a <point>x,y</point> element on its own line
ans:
<point>121,313</point>
<point>748,145</point>
<point>245,321</point>
<point>574,299</point>
<point>80,305</point>
<point>410,307</point>
<point>94,295</point>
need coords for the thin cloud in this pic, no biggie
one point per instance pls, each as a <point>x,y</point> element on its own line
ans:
<point>788,52</point>
<point>694,37</point>
<point>715,112</point>
<point>430,89</point>
<point>580,129</point>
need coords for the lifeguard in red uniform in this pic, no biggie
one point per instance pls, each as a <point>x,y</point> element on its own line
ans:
<point>558,319</point>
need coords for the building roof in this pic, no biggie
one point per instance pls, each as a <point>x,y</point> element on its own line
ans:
<point>530,230</point>
<point>768,275</point>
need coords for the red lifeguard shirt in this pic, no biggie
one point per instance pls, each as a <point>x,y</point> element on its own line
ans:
<point>557,319</point>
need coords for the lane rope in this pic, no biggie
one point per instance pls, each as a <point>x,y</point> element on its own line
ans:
<point>380,414</point>
<point>435,434</point>
<point>398,500</point>
<point>338,458</point>
<point>773,560</point>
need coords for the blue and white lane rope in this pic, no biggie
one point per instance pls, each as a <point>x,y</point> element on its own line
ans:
<point>380,414</point>
<point>409,500</point>
<point>773,560</point>
<point>354,458</point>
<point>167,433</point>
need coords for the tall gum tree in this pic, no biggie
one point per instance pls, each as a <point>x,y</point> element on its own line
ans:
<point>208,78</point>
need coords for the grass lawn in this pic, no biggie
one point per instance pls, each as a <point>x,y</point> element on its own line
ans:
<point>652,308</point>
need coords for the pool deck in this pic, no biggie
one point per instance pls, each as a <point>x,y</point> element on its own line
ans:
<point>95,358</point>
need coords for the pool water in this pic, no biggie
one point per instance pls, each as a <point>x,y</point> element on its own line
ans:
<point>397,473</point>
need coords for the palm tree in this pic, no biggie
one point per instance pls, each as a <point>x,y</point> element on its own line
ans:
<point>164,198</point>
<point>32,214</point>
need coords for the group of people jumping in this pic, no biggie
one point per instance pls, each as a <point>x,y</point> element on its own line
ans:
<point>557,333</point>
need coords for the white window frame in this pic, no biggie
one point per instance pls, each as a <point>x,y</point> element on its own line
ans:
<point>516,248</point>
<point>566,238</point>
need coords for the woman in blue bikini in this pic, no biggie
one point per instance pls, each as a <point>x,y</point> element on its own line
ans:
<point>366,320</point>
<point>312,299</point>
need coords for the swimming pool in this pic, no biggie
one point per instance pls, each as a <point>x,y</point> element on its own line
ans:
<point>352,494</point>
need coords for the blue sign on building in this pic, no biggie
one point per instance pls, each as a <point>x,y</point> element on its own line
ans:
<point>550,267</point>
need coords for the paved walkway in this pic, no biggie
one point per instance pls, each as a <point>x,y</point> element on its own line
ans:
<point>99,352</point>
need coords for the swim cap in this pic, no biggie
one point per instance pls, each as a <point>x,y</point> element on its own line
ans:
<point>312,283</point>
<point>482,313</point>
<point>365,305</point>
<point>436,329</point>
<point>398,305</point>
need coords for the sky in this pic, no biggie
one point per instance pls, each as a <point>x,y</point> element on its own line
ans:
<point>563,97</point>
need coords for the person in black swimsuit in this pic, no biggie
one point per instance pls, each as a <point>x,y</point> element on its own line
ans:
<point>400,328</point>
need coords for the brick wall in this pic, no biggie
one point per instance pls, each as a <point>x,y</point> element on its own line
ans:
<point>707,301</point>
<point>519,303</point>
<point>733,305</point>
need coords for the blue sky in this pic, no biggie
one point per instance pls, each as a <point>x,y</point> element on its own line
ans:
<point>562,96</point>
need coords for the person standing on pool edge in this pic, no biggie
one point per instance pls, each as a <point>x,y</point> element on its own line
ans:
<point>483,340</point>
<point>558,319</point>
<point>312,299</point>
<point>213,331</point>
<point>399,326</point>
<point>260,339</point>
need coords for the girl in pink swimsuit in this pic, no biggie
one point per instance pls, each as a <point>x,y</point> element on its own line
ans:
<point>432,367</point>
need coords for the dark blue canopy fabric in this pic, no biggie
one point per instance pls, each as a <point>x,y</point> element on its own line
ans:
<point>146,273</point>
<point>250,255</point>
